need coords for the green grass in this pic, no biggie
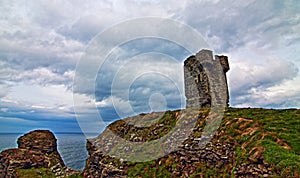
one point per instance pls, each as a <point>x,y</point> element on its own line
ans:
<point>148,170</point>
<point>41,172</point>
<point>35,172</point>
<point>286,162</point>
<point>278,133</point>
<point>80,175</point>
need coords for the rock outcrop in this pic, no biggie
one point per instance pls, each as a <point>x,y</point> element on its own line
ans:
<point>40,140</point>
<point>182,162</point>
<point>36,149</point>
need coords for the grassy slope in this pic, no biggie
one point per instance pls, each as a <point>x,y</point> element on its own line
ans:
<point>273,135</point>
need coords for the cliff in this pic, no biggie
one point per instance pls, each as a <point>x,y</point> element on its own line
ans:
<point>248,143</point>
<point>35,156</point>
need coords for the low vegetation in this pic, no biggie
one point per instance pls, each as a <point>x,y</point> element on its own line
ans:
<point>265,139</point>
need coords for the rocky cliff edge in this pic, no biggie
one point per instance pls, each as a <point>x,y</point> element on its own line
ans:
<point>36,156</point>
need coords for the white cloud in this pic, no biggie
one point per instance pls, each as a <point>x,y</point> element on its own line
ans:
<point>48,98</point>
<point>104,103</point>
<point>247,73</point>
<point>44,76</point>
<point>262,80</point>
<point>41,42</point>
<point>4,89</point>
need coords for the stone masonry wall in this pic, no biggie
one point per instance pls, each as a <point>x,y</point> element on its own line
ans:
<point>198,85</point>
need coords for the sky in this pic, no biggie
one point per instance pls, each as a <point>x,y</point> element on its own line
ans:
<point>44,43</point>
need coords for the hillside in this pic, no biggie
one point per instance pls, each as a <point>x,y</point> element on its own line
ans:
<point>248,143</point>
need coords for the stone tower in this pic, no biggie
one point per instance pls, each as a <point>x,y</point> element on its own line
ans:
<point>198,87</point>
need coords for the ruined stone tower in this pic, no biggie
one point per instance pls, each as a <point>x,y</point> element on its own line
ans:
<point>199,78</point>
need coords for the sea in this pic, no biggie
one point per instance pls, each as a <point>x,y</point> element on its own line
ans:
<point>71,147</point>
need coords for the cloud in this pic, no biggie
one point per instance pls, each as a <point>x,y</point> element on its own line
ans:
<point>268,83</point>
<point>248,74</point>
<point>255,79</point>
<point>43,76</point>
<point>55,100</point>
<point>94,17</point>
<point>127,89</point>
<point>237,24</point>
<point>4,89</point>
<point>44,107</point>
<point>42,41</point>
<point>128,60</point>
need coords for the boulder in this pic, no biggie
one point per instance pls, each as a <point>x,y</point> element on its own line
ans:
<point>39,140</point>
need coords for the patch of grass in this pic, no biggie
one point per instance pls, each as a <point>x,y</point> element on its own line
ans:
<point>80,175</point>
<point>35,172</point>
<point>42,173</point>
<point>148,169</point>
<point>286,162</point>
<point>209,171</point>
<point>285,123</point>
<point>276,135</point>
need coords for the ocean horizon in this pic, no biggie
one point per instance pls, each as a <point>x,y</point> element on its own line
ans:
<point>71,146</point>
